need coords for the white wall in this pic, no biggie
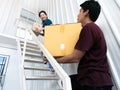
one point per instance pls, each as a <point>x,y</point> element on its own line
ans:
<point>9,12</point>
<point>8,46</point>
<point>109,22</point>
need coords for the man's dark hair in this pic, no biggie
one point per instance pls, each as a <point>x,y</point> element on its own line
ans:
<point>93,7</point>
<point>42,12</point>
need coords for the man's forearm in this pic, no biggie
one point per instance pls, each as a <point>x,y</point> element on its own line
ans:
<point>66,59</point>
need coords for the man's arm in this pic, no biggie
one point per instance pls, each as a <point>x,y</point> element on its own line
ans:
<point>72,58</point>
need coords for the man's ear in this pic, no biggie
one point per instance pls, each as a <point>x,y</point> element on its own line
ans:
<point>86,12</point>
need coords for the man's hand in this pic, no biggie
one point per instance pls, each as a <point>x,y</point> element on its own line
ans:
<point>37,28</point>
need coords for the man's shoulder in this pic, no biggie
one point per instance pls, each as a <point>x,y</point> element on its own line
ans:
<point>48,21</point>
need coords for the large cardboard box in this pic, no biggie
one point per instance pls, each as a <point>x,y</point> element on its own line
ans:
<point>61,39</point>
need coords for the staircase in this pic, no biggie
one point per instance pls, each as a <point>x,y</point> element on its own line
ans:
<point>37,74</point>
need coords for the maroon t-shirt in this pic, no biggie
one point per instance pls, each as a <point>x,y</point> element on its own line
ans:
<point>93,68</point>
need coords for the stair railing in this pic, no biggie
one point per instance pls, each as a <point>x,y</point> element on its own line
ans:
<point>23,57</point>
<point>58,69</point>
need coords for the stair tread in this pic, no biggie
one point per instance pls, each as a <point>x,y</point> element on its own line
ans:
<point>29,42</point>
<point>33,61</point>
<point>30,46</point>
<point>32,54</point>
<point>31,50</point>
<point>36,68</point>
<point>42,78</point>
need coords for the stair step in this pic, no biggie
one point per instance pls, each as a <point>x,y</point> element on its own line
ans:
<point>42,78</point>
<point>30,46</point>
<point>33,54</point>
<point>31,50</point>
<point>33,61</point>
<point>36,68</point>
<point>30,42</point>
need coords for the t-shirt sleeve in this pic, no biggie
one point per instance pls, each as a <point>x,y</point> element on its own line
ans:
<point>85,40</point>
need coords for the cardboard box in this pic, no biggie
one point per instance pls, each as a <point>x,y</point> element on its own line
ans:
<point>61,39</point>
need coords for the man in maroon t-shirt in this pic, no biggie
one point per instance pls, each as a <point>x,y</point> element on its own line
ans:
<point>90,51</point>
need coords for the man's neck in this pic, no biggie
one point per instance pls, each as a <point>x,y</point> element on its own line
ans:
<point>86,21</point>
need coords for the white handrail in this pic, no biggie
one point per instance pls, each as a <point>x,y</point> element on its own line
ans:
<point>23,58</point>
<point>61,73</point>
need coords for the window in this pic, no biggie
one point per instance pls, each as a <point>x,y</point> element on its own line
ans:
<point>3,67</point>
